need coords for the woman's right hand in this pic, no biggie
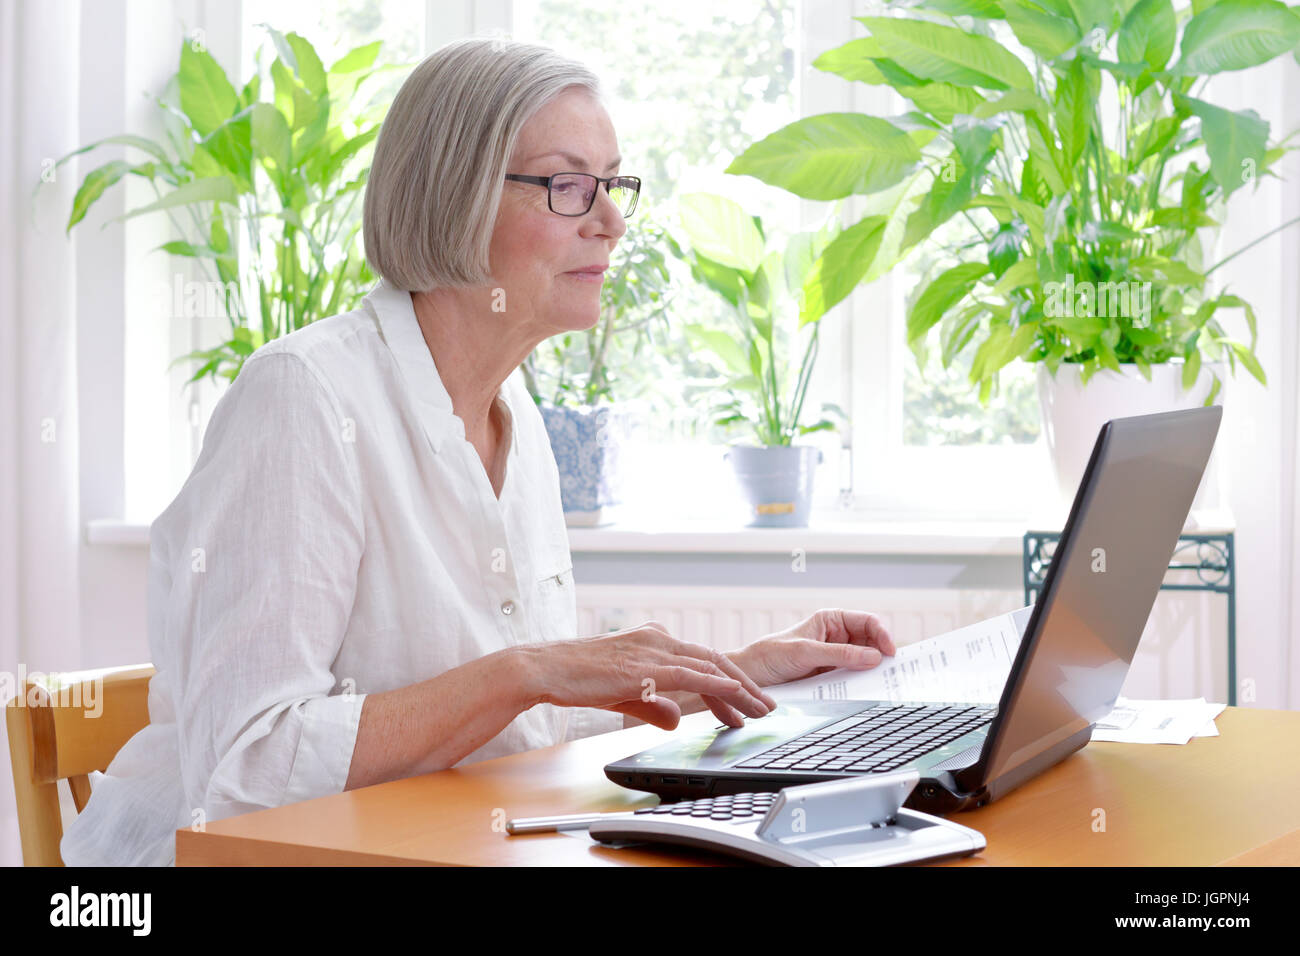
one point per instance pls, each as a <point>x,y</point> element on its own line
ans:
<point>631,671</point>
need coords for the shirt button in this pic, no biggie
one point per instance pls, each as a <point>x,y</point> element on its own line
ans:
<point>507,607</point>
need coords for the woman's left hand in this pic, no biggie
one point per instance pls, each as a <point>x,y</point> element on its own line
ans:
<point>828,639</point>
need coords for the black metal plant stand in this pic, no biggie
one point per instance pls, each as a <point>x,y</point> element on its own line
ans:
<point>1213,563</point>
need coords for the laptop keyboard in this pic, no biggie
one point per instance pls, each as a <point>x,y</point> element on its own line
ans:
<point>876,740</point>
<point>738,806</point>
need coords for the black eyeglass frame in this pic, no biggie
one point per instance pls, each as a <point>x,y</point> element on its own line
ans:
<point>546,181</point>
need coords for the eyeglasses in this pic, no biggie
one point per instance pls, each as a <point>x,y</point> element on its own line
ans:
<point>572,194</point>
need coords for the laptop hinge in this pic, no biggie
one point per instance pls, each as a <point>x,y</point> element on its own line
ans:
<point>969,779</point>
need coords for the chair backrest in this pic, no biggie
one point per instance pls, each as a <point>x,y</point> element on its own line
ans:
<point>62,728</point>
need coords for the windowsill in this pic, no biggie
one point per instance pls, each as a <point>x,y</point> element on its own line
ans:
<point>847,536</point>
<point>825,534</point>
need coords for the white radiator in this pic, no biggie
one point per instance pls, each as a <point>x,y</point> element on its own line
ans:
<point>726,618</point>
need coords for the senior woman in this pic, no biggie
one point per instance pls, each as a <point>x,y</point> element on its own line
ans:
<point>367,575</point>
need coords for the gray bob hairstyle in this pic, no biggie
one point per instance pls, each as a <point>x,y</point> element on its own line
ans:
<point>436,179</point>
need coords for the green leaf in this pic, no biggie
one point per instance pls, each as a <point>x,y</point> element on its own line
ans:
<point>219,239</point>
<point>1191,367</point>
<point>721,230</point>
<point>282,48</point>
<point>231,145</point>
<point>822,426</point>
<point>1236,141</point>
<point>1060,8</point>
<point>190,251</point>
<point>1092,13</point>
<point>1018,275</point>
<point>1047,161</point>
<point>1046,34</point>
<point>1235,302</point>
<point>957,330</point>
<point>1247,359</point>
<point>987,357</point>
<point>1148,33</point>
<point>802,252</point>
<point>945,291</point>
<point>1018,101</point>
<point>948,54</point>
<point>252,89</point>
<point>362,58</point>
<point>1236,35</point>
<point>1073,112</point>
<point>854,61</point>
<point>983,9</point>
<point>1162,269</point>
<point>725,281</point>
<point>207,98</point>
<point>895,75</point>
<point>1100,231</point>
<point>1004,246</point>
<point>93,186</point>
<point>271,138</point>
<point>831,156</point>
<point>242,341</point>
<point>218,188</point>
<point>943,100</point>
<point>139,142</point>
<point>308,68</point>
<point>841,266</point>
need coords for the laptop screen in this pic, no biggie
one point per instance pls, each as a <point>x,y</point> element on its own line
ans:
<point>1103,580</point>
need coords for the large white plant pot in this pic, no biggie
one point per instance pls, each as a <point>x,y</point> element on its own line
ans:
<point>1073,414</point>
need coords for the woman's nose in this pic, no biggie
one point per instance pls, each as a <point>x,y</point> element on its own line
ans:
<point>608,213</point>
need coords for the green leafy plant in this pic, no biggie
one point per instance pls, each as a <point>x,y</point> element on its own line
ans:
<point>285,172</point>
<point>766,287</point>
<point>1046,221</point>
<point>579,368</point>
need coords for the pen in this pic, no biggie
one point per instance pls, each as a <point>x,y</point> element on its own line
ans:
<point>573,821</point>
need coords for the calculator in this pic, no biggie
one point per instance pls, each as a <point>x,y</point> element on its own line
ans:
<point>859,821</point>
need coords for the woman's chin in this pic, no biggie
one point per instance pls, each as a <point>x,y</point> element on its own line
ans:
<point>580,320</point>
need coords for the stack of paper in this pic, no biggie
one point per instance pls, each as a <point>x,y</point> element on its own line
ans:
<point>1158,721</point>
<point>971,665</point>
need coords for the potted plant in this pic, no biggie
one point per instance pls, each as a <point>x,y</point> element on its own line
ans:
<point>573,381</point>
<point>286,171</point>
<point>765,289</point>
<point>1059,239</point>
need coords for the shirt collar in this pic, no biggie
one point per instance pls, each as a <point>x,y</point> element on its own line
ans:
<point>400,330</point>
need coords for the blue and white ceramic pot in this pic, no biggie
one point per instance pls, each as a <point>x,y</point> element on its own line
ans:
<point>587,444</point>
<point>777,481</point>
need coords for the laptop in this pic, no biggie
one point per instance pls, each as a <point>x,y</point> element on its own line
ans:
<point>1074,653</point>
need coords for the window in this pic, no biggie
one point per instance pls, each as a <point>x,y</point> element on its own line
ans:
<point>694,86</point>
<point>691,86</point>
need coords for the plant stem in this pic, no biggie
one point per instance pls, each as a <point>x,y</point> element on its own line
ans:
<point>805,376</point>
<point>1289,222</point>
<point>975,227</point>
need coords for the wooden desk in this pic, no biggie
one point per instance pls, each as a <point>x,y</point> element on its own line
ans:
<point>1227,799</point>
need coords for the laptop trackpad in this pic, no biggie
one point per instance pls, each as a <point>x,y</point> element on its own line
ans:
<point>717,748</point>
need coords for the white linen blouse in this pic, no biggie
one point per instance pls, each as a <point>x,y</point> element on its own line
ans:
<point>337,537</point>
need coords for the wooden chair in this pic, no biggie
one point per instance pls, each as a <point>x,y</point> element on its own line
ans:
<point>55,734</point>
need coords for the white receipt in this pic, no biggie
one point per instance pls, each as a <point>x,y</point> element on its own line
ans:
<point>968,665</point>
<point>1158,721</point>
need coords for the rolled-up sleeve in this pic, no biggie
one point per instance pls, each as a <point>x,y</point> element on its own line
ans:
<point>263,546</point>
